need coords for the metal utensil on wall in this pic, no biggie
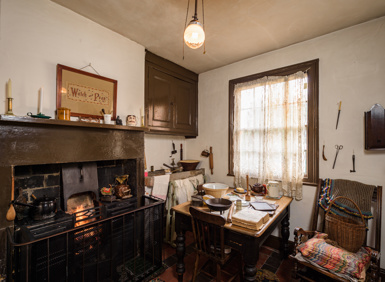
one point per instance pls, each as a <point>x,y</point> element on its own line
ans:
<point>338,116</point>
<point>354,163</point>
<point>338,148</point>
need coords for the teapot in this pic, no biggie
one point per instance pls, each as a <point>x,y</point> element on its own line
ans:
<point>258,188</point>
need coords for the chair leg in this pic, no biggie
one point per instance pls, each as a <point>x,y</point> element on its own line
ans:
<point>195,267</point>
<point>294,271</point>
<point>218,272</point>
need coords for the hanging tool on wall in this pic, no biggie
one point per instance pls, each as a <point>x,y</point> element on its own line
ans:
<point>181,151</point>
<point>323,153</point>
<point>354,163</point>
<point>211,160</point>
<point>173,149</point>
<point>338,147</point>
<point>338,116</point>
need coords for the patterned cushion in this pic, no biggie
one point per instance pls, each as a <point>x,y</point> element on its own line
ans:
<point>335,259</point>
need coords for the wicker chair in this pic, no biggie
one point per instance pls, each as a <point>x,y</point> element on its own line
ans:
<point>308,270</point>
<point>209,234</point>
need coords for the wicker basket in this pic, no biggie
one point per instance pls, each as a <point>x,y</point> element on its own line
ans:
<point>347,232</point>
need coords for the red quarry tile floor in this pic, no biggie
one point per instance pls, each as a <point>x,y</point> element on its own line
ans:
<point>269,259</point>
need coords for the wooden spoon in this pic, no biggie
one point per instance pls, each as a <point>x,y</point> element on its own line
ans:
<point>11,213</point>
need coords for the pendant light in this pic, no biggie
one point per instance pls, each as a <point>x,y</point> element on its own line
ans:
<point>194,34</point>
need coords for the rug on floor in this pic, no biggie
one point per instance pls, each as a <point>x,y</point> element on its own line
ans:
<point>156,280</point>
<point>264,275</point>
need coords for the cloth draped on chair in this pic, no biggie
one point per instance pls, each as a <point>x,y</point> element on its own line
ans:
<point>319,252</point>
<point>179,191</point>
<point>360,193</point>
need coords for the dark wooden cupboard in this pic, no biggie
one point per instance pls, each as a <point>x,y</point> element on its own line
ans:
<point>375,128</point>
<point>171,98</point>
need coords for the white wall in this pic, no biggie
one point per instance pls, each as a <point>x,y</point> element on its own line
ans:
<point>352,67</point>
<point>36,35</point>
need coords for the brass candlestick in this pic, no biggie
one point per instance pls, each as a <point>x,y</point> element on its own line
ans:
<point>10,107</point>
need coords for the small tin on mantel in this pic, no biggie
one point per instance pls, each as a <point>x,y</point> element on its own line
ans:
<point>63,113</point>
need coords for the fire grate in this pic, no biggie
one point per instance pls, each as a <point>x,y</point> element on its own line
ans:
<point>125,247</point>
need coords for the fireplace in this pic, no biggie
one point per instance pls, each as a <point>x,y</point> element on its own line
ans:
<point>125,247</point>
<point>71,161</point>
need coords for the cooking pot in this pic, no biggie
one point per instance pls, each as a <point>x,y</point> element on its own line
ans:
<point>42,208</point>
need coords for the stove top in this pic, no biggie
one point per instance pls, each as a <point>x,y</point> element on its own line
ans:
<point>29,230</point>
<point>33,230</point>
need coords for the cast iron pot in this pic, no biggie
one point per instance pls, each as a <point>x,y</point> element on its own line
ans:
<point>42,208</point>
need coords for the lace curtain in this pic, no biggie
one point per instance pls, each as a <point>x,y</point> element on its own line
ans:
<point>270,135</point>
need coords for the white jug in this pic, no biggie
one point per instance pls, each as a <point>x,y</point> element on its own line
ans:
<point>273,189</point>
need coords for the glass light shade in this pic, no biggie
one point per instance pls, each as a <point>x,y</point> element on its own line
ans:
<point>194,35</point>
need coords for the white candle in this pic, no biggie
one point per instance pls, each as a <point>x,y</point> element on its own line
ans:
<point>39,110</point>
<point>9,89</point>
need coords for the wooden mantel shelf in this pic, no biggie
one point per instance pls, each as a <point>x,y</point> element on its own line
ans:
<point>55,122</point>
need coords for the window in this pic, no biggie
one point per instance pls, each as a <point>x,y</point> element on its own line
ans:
<point>252,103</point>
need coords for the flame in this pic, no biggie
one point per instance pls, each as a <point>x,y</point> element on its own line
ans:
<point>81,217</point>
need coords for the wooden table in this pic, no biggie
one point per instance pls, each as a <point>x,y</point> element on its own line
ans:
<point>246,241</point>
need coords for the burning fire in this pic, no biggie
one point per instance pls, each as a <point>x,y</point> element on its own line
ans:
<point>81,217</point>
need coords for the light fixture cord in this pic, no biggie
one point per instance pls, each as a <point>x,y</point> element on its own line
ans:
<point>203,24</point>
<point>185,24</point>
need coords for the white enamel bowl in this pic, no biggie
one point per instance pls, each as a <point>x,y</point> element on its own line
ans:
<point>218,190</point>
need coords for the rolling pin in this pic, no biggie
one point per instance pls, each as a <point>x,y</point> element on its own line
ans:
<point>211,160</point>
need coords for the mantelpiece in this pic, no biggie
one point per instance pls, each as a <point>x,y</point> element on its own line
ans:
<point>55,122</point>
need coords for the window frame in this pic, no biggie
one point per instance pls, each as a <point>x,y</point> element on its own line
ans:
<point>312,69</point>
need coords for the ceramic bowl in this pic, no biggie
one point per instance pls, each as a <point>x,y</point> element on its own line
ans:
<point>218,190</point>
<point>189,164</point>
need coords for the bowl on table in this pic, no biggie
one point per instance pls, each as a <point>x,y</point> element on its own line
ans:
<point>218,190</point>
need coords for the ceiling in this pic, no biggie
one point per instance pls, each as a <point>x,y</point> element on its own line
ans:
<point>235,29</point>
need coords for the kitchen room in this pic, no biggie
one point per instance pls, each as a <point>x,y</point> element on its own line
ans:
<point>37,35</point>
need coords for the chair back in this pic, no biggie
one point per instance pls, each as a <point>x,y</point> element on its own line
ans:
<point>208,231</point>
<point>376,203</point>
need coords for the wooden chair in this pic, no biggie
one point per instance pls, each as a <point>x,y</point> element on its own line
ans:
<point>209,234</point>
<point>301,236</point>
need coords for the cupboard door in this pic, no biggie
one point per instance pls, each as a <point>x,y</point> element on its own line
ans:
<point>160,99</point>
<point>185,106</point>
<point>375,128</point>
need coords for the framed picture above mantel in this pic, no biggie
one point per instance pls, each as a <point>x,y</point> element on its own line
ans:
<point>84,93</point>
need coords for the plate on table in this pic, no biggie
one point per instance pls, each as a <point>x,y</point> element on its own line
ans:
<point>244,191</point>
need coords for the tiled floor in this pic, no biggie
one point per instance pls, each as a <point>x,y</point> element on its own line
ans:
<point>268,259</point>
